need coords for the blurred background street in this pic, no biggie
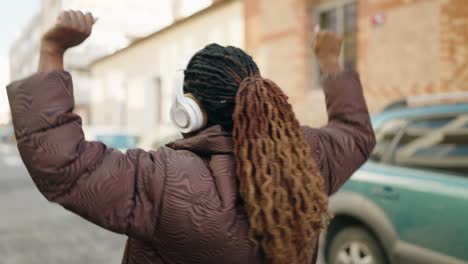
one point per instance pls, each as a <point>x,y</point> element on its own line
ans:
<point>407,204</point>
<point>35,231</point>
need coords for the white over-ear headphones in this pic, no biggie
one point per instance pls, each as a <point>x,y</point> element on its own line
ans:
<point>186,113</point>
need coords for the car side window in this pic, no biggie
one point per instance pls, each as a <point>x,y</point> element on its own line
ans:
<point>385,135</point>
<point>437,143</point>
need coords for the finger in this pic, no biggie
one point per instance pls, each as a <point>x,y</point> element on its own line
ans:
<point>315,32</point>
<point>339,40</point>
<point>316,29</point>
<point>60,18</point>
<point>335,38</point>
<point>333,35</point>
<point>82,21</point>
<point>65,18</point>
<point>328,34</point>
<point>316,41</point>
<point>74,20</point>
<point>319,39</point>
<point>89,19</point>
<point>329,37</point>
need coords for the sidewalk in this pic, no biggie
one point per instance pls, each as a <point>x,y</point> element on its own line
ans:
<point>32,230</point>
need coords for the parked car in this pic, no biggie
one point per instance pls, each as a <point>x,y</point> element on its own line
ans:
<point>113,137</point>
<point>409,202</point>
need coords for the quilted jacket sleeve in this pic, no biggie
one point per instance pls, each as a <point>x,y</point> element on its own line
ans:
<point>120,192</point>
<point>345,143</point>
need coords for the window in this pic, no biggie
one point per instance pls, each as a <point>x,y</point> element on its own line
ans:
<point>438,143</point>
<point>328,20</point>
<point>349,36</point>
<point>341,17</point>
<point>385,136</point>
<point>158,99</point>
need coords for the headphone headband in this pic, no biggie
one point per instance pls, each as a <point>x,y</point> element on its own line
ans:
<point>186,114</point>
<point>179,78</point>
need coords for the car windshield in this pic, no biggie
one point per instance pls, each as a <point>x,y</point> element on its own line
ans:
<point>118,141</point>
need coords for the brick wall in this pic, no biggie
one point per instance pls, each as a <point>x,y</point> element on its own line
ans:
<point>278,37</point>
<point>422,47</point>
<point>401,56</point>
<point>454,45</point>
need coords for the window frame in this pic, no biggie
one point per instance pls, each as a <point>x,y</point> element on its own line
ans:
<point>390,158</point>
<point>157,86</point>
<point>337,5</point>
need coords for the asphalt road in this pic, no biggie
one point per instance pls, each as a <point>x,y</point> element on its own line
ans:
<point>32,230</point>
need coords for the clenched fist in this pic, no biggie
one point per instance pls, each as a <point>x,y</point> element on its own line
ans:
<point>70,30</point>
<point>327,47</point>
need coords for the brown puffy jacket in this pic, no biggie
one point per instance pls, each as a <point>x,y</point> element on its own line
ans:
<point>178,204</point>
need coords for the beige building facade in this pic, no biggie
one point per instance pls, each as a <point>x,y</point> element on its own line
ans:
<point>135,85</point>
<point>400,47</point>
<point>109,34</point>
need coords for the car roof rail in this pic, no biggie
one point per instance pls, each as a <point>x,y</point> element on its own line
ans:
<point>397,104</point>
<point>429,99</point>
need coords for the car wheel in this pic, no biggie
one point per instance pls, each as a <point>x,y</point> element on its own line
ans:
<point>355,245</point>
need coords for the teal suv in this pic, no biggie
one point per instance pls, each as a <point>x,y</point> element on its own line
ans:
<point>409,202</point>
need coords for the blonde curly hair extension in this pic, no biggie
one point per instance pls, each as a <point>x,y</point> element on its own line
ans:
<point>279,181</point>
<point>280,185</point>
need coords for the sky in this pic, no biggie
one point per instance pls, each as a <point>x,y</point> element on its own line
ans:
<point>14,15</point>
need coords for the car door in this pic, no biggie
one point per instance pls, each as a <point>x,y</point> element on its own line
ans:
<point>430,185</point>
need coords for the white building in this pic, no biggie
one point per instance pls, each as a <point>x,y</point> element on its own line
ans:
<point>4,106</point>
<point>136,83</point>
<point>120,22</point>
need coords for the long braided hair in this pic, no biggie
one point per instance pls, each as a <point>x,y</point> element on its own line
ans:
<point>279,183</point>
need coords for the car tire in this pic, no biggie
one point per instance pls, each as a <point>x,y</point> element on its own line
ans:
<point>355,244</point>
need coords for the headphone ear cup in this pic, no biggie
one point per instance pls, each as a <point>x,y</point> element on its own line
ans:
<point>196,114</point>
<point>180,116</point>
<point>187,115</point>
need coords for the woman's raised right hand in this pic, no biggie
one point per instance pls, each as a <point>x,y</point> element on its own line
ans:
<point>71,29</point>
<point>327,48</point>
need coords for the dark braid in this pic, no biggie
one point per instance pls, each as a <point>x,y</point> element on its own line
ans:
<point>279,182</point>
<point>213,77</point>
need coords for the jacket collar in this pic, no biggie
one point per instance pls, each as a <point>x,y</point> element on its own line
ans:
<point>212,140</point>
